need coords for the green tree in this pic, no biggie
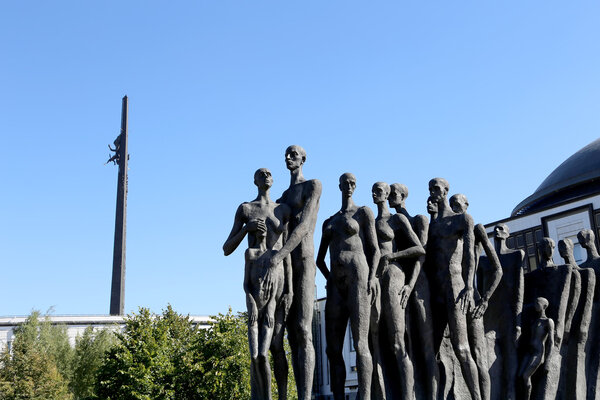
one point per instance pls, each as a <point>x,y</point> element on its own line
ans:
<point>148,357</point>
<point>166,357</point>
<point>38,367</point>
<point>90,349</point>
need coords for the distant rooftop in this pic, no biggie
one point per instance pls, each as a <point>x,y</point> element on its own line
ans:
<point>88,320</point>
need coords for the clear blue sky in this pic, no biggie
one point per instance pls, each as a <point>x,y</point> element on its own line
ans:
<point>490,95</point>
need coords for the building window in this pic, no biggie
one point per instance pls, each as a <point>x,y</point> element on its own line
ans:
<point>527,240</point>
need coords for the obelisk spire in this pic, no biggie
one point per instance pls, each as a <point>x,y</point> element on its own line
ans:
<point>121,158</point>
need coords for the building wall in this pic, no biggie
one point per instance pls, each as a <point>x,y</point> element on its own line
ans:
<point>75,325</point>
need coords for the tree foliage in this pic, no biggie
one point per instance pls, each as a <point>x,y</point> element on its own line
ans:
<point>37,368</point>
<point>90,349</point>
<point>166,357</point>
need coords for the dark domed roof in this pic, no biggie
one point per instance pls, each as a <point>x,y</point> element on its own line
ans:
<point>577,176</point>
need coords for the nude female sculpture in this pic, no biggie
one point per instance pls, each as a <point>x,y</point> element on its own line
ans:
<point>400,252</point>
<point>540,345</point>
<point>490,274</point>
<point>419,299</point>
<point>351,286</point>
<point>265,223</point>
<point>450,256</point>
<point>302,197</point>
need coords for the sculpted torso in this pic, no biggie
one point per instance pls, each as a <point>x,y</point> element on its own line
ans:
<point>445,244</point>
<point>274,216</point>
<point>346,242</point>
<point>296,197</point>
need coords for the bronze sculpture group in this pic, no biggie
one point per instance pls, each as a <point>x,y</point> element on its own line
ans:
<point>431,302</point>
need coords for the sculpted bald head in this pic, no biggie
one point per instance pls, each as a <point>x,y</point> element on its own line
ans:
<point>380,192</point>
<point>459,203</point>
<point>398,193</point>
<point>295,156</point>
<point>586,238</point>
<point>438,189</point>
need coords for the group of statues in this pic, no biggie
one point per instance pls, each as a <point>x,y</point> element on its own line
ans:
<point>435,309</point>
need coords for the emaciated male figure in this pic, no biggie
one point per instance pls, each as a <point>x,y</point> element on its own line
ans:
<point>420,297</point>
<point>450,252</point>
<point>303,199</point>
<point>491,273</point>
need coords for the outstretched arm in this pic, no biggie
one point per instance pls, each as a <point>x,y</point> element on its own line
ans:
<point>496,273</point>
<point>307,221</point>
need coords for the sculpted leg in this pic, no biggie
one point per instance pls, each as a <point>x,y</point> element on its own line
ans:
<point>300,321</point>
<point>336,321</point>
<point>359,308</point>
<point>423,319</point>
<point>278,352</point>
<point>511,364</point>
<point>479,349</point>
<point>396,322</point>
<point>457,322</point>
<point>378,383</point>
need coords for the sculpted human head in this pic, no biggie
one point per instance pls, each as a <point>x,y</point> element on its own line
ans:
<point>263,178</point>
<point>295,156</point>
<point>432,207</point>
<point>380,192</point>
<point>347,184</point>
<point>438,189</point>
<point>459,203</point>
<point>565,248</point>
<point>547,246</point>
<point>501,231</point>
<point>586,238</point>
<point>541,304</point>
<point>398,193</point>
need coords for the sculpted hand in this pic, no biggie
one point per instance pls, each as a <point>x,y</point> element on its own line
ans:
<point>286,301</point>
<point>404,295</point>
<point>268,262</point>
<point>256,225</point>
<point>479,309</point>
<point>465,300</point>
<point>373,290</point>
<point>517,334</point>
<point>252,310</point>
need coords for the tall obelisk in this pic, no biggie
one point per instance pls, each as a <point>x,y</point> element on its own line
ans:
<point>121,158</point>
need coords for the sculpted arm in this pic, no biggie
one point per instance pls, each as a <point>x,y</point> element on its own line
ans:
<point>238,232</point>
<point>465,297</point>
<point>415,250</point>
<point>550,347</point>
<point>371,245</point>
<point>421,228</point>
<point>250,302</point>
<point>325,239</point>
<point>288,290</point>
<point>469,251</point>
<point>496,273</point>
<point>519,295</point>
<point>307,221</point>
<point>573,300</point>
